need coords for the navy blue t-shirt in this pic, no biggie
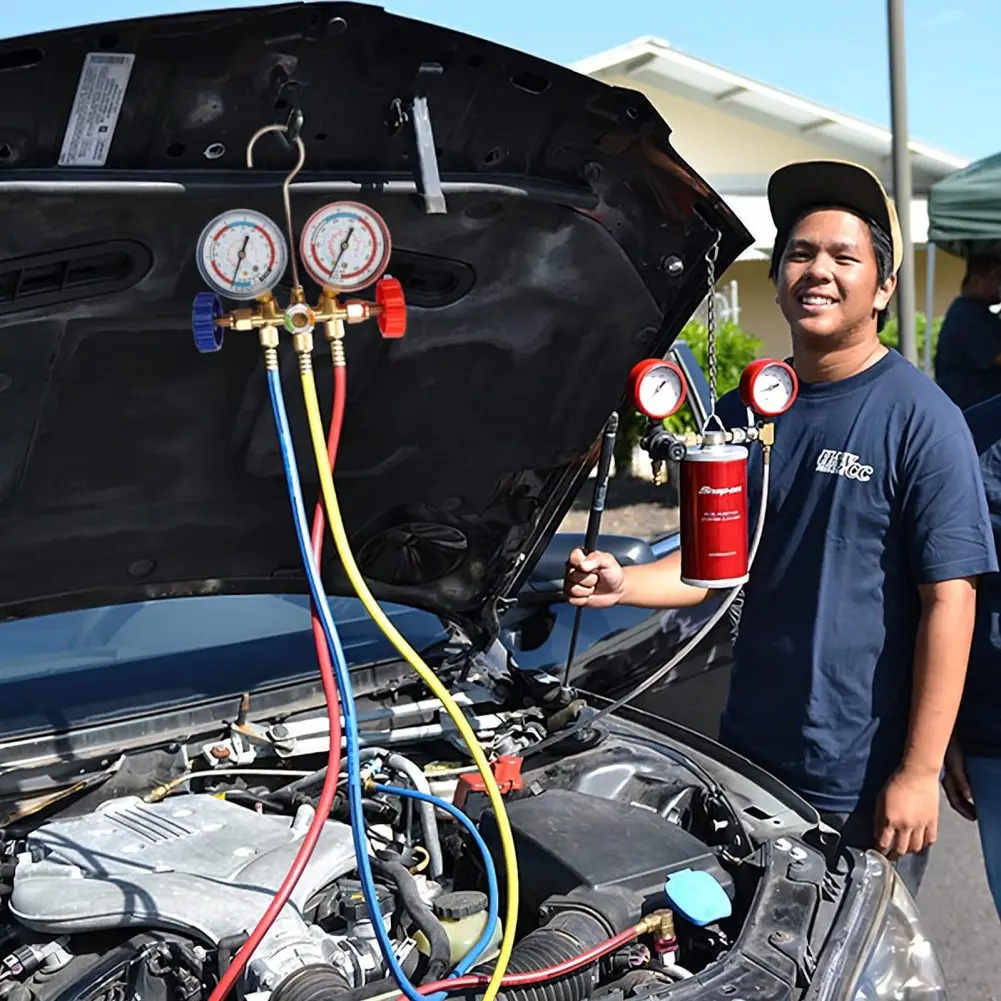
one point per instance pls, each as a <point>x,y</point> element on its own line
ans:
<point>980,713</point>
<point>968,343</point>
<point>875,489</point>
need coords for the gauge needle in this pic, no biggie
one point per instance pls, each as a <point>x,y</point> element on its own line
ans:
<point>340,253</point>
<point>240,257</point>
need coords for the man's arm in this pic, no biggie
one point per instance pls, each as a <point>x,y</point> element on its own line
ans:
<point>908,818</point>
<point>658,585</point>
<point>597,581</point>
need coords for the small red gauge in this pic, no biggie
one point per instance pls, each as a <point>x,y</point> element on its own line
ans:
<point>769,387</point>
<point>657,388</point>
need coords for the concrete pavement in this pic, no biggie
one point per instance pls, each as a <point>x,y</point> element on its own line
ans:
<point>958,913</point>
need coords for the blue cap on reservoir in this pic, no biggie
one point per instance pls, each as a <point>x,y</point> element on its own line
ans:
<point>697,897</point>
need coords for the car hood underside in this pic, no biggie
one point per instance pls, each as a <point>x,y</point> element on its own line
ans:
<point>131,467</point>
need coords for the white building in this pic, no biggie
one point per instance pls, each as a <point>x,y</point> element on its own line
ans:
<point>736,131</point>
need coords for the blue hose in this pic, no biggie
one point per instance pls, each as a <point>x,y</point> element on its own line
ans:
<point>473,956</point>
<point>343,677</point>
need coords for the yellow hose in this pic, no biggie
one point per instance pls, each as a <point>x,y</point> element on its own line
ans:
<point>414,660</point>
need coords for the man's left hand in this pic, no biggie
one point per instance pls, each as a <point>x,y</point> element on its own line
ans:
<point>907,813</point>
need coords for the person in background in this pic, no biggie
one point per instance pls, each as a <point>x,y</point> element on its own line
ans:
<point>968,357</point>
<point>973,762</point>
<point>853,638</point>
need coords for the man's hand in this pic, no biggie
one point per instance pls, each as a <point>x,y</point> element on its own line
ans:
<point>956,784</point>
<point>907,813</point>
<point>593,579</point>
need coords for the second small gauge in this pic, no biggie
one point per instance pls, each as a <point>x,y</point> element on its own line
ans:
<point>345,246</point>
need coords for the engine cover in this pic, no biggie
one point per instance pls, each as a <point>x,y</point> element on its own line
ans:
<point>195,864</point>
<point>568,841</point>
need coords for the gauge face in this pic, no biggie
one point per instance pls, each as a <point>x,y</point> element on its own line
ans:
<point>242,254</point>
<point>657,388</point>
<point>771,387</point>
<point>345,246</point>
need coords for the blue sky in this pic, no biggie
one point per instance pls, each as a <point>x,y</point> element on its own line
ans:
<point>835,54</point>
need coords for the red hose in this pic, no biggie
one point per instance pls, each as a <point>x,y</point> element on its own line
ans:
<point>533,976</point>
<point>329,789</point>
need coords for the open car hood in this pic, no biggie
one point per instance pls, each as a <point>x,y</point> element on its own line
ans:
<point>131,467</point>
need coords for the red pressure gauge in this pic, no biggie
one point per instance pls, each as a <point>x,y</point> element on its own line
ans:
<point>769,387</point>
<point>657,388</point>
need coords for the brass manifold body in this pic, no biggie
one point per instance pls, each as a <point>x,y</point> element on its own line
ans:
<point>300,320</point>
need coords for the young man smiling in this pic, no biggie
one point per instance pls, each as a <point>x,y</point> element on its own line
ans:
<point>855,626</point>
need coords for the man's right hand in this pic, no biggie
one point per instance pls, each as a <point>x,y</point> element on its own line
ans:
<point>593,579</point>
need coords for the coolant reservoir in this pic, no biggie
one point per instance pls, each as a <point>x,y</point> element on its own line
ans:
<point>463,915</point>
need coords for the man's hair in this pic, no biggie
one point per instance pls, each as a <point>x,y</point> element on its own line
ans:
<point>882,245</point>
<point>978,265</point>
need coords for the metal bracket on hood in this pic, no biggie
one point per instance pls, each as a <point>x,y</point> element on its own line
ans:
<point>418,114</point>
<point>290,92</point>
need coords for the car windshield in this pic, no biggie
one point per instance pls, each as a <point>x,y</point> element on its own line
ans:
<point>83,667</point>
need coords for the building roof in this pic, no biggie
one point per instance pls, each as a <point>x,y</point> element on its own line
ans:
<point>655,62</point>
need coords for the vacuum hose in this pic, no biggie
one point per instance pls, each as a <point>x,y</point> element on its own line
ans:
<point>413,903</point>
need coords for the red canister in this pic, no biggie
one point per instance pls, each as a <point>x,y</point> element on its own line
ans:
<point>713,500</point>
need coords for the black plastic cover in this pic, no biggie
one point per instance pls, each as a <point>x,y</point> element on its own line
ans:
<point>566,840</point>
<point>460,904</point>
<point>134,468</point>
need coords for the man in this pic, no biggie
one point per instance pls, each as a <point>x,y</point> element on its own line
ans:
<point>855,628</point>
<point>973,762</point>
<point>968,358</point>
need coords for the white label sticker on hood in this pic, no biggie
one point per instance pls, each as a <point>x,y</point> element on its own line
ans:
<point>99,96</point>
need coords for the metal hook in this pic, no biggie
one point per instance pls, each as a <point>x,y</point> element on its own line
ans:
<point>285,187</point>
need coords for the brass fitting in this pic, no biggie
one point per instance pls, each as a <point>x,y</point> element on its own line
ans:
<point>303,343</point>
<point>239,319</point>
<point>660,923</point>
<point>659,473</point>
<point>268,336</point>
<point>767,434</point>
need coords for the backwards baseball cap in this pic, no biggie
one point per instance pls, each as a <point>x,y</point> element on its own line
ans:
<point>798,187</point>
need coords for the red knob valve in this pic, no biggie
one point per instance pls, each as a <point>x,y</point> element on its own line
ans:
<point>393,317</point>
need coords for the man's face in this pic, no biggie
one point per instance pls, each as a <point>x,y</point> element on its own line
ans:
<point>827,283</point>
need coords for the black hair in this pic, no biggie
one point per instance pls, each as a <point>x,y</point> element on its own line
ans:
<point>882,246</point>
<point>978,265</point>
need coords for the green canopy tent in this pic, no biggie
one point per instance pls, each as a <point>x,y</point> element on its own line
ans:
<point>964,215</point>
<point>964,209</point>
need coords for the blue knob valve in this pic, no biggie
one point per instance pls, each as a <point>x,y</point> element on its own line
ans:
<point>205,310</point>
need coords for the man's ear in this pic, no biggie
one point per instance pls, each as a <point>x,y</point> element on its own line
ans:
<point>885,293</point>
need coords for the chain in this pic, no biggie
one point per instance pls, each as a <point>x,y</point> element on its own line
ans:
<point>711,255</point>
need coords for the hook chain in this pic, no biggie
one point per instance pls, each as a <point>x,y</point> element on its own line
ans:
<point>711,255</point>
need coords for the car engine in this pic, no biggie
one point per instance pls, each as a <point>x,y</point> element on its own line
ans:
<point>149,892</point>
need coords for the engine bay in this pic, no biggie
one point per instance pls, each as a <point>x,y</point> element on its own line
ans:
<point>153,886</point>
